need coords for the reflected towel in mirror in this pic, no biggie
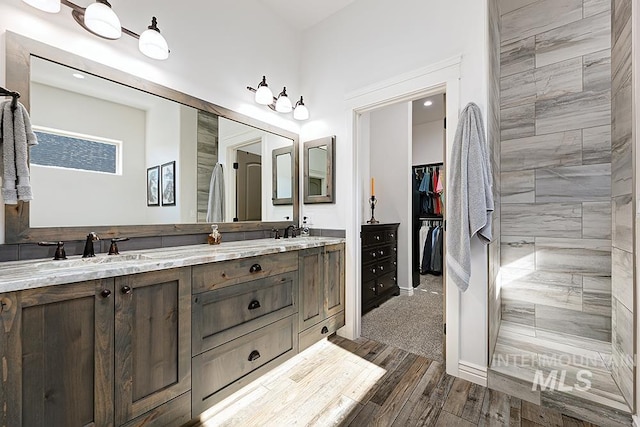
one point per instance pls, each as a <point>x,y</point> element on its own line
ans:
<point>215,206</point>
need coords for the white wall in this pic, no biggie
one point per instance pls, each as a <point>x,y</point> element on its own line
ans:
<point>365,45</point>
<point>390,165</point>
<point>428,143</point>
<point>97,198</point>
<point>205,60</point>
<point>187,185</point>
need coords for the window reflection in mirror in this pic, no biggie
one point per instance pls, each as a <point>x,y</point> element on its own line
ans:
<point>318,171</point>
<point>105,135</point>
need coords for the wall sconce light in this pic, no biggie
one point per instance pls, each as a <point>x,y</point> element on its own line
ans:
<point>281,104</point>
<point>99,19</point>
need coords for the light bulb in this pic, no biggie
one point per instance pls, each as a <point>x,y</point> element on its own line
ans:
<point>51,6</point>
<point>283,104</point>
<point>152,44</point>
<point>102,20</point>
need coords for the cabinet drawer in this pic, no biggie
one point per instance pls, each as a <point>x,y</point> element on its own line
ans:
<point>386,283</point>
<point>369,291</point>
<point>217,371</point>
<point>217,275</point>
<point>225,314</point>
<point>373,254</point>
<point>321,330</point>
<point>374,237</point>
<point>376,269</point>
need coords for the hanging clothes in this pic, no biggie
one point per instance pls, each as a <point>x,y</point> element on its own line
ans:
<point>16,136</point>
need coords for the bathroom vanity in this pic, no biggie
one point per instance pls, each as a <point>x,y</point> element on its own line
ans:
<point>156,337</point>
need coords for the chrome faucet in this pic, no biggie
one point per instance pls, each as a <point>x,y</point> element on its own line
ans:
<point>88,245</point>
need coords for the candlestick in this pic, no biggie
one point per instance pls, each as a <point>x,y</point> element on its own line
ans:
<point>372,203</point>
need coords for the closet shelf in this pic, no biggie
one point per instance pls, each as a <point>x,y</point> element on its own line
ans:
<point>429,216</point>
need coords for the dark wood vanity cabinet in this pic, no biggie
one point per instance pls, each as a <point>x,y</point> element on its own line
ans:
<point>322,287</point>
<point>379,264</point>
<point>57,348</point>
<point>104,352</point>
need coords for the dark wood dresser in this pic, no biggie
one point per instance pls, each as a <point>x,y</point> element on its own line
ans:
<point>379,264</point>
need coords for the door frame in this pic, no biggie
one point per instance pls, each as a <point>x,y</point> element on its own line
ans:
<point>443,76</point>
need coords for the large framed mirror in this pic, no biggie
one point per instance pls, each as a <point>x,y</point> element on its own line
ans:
<point>319,172</point>
<point>103,132</point>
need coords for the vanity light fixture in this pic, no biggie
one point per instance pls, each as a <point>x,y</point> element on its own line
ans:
<point>50,6</point>
<point>281,104</point>
<point>99,19</point>
<point>300,112</point>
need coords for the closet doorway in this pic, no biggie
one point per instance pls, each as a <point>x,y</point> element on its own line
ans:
<point>406,144</point>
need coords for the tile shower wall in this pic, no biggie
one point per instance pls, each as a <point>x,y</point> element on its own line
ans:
<point>556,167</point>
<point>622,275</point>
<point>493,139</point>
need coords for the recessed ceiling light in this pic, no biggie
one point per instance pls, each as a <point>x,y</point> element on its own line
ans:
<point>428,103</point>
<point>78,76</point>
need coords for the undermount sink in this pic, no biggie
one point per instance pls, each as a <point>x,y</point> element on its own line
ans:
<point>80,262</point>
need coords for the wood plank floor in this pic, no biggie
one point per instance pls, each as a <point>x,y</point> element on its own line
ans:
<point>339,382</point>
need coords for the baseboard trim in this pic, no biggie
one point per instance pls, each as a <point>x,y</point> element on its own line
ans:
<point>406,291</point>
<point>471,372</point>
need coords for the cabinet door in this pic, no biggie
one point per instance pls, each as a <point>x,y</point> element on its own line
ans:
<point>153,340</point>
<point>333,279</point>
<point>311,270</point>
<point>57,343</point>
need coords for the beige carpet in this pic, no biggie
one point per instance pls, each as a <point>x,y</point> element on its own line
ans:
<point>412,323</point>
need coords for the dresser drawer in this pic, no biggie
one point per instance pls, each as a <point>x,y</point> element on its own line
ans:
<point>219,372</point>
<point>323,329</point>
<point>386,283</point>
<point>376,269</point>
<point>224,314</point>
<point>380,252</point>
<point>217,275</point>
<point>375,237</point>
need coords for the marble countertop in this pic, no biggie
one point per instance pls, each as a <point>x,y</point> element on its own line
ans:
<point>20,275</point>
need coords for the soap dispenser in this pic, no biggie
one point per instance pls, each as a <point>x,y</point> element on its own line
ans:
<point>305,228</point>
<point>215,237</point>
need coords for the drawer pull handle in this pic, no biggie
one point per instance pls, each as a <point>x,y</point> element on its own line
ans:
<point>381,268</point>
<point>373,254</point>
<point>126,290</point>
<point>377,237</point>
<point>373,289</point>
<point>392,235</point>
<point>381,285</point>
<point>255,355</point>
<point>255,268</point>
<point>254,304</point>
<point>381,253</point>
<point>324,330</point>
<point>106,293</point>
<point>373,270</point>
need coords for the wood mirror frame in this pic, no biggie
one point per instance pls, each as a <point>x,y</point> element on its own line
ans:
<point>274,176</point>
<point>329,197</point>
<point>19,50</point>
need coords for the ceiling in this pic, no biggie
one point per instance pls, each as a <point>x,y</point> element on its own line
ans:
<point>304,14</point>
<point>423,114</point>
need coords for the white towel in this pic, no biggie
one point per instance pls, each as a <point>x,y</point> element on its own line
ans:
<point>17,136</point>
<point>215,206</point>
<point>470,195</point>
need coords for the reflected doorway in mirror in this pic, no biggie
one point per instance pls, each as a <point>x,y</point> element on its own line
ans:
<point>168,174</point>
<point>153,186</point>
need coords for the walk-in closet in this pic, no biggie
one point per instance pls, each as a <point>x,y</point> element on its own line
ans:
<point>407,164</point>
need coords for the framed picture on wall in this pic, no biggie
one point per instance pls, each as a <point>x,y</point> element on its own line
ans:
<point>153,186</point>
<point>168,173</point>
